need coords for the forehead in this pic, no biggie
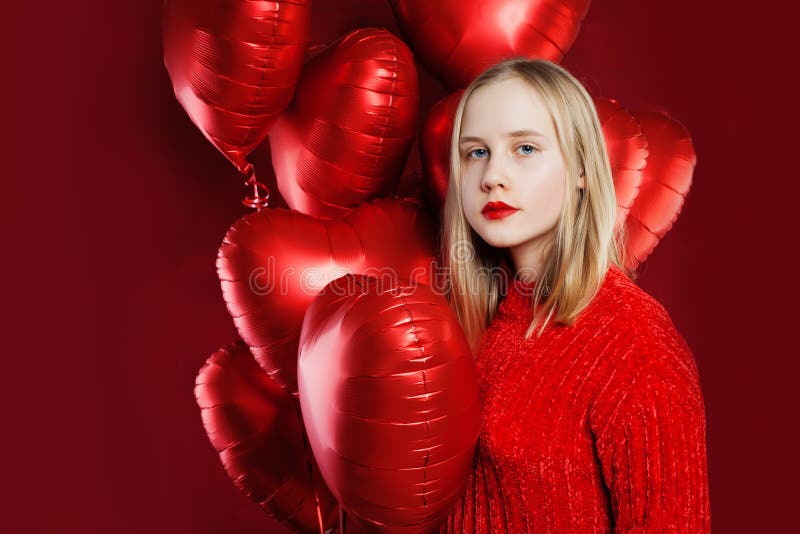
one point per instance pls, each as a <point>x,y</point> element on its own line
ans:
<point>505,106</point>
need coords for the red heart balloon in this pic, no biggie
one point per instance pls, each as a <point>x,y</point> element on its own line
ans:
<point>627,152</point>
<point>234,65</point>
<point>665,184</point>
<point>390,401</point>
<point>253,425</point>
<point>346,136</point>
<point>273,263</point>
<point>434,147</point>
<point>458,39</point>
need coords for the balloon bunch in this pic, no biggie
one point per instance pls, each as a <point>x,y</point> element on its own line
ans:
<point>353,387</point>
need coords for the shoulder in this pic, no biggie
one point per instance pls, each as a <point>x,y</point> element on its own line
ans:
<point>623,307</point>
<point>642,350</point>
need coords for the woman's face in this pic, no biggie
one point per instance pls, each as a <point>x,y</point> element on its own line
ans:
<point>510,154</point>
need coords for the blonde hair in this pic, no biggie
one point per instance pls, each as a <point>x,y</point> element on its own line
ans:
<point>585,243</point>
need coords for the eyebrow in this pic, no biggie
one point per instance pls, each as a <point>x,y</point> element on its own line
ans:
<point>517,133</point>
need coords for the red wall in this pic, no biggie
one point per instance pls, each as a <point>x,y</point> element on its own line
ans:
<point>114,206</point>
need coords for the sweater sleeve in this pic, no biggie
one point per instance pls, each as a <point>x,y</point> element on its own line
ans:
<point>652,444</point>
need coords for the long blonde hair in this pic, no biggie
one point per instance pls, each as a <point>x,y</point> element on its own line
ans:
<point>585,243</point>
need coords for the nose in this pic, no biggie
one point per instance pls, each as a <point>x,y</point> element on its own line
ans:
<point>494,175</point>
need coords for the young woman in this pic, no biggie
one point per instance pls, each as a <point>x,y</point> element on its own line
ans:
<point>593,417</point>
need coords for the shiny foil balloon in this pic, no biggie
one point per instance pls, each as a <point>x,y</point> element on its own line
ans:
<point>347,134</point>
<point>627,152</point>
<point>435,148</point>
<point>390,401</point>
<point>665,184</point>
<point>273,263</point>
<point>234,65</point>
<point>458,39</point>
<point>253,424</point>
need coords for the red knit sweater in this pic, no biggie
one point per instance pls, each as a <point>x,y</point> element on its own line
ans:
<point>594,427</point>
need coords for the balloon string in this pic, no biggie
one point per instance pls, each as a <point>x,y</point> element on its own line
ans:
<point>310,467</point>
<point>256,200</point>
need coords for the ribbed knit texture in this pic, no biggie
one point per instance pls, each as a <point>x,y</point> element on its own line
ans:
<point>594,427</point>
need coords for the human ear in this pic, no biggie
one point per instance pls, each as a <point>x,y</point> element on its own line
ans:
<point>582,181</point>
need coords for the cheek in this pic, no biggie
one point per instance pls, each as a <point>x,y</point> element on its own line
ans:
<point>471,204</point>
<point>549,194</point>
<point>469,190</point>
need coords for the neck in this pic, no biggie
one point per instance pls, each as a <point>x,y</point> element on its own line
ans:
<point>528,258</point>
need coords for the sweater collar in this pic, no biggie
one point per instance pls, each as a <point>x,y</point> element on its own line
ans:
<point>519,298</point>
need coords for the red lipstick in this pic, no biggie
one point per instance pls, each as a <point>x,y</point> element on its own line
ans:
<point>497,210</point>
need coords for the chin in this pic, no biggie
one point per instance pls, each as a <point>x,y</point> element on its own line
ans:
<point>499,241</point>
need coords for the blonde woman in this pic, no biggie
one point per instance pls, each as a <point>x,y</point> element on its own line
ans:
<point>593,417</point>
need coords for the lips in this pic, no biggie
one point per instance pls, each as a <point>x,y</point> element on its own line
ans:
<point>497,210</point>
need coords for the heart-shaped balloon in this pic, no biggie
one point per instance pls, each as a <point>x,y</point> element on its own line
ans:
<point>234,65</point>
<point>665,183</point>
<point>273,263</point>
<point>253,424</point>
<point>627,152</point>
<point>346,136</point>
<point>458,39</point>
<point>434,146</point>
<point>390,401</point>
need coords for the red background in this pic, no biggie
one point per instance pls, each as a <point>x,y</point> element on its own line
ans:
<point>115,205</point>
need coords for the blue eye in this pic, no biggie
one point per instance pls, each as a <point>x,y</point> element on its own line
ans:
<point>529,149</point>
<point>472,153</point>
